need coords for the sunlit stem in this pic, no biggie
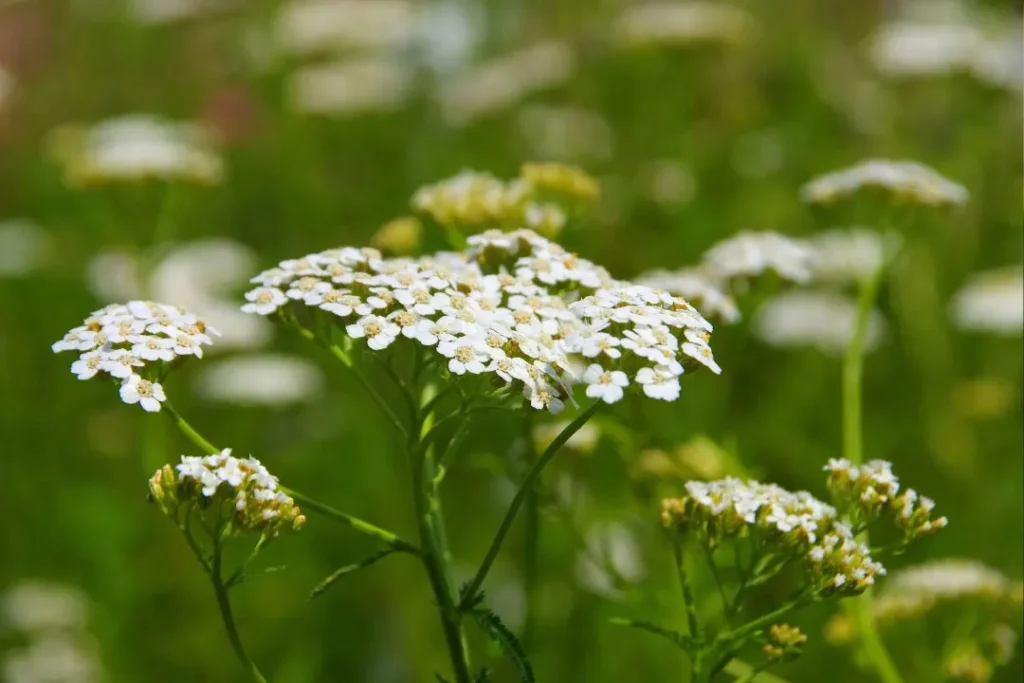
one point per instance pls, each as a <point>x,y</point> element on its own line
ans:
<point>187,429</point>
<point>853,450</point>
<point>524,489</point>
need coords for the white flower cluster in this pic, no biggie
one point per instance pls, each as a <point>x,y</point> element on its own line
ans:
<point>851,255</point>
<point>729,263</point>
<point>684,23</point>
<point>513,305</point>
<point>474,200</point>
<point>871,490</point>
<point>820,319</point>
<point>127,341</point>
<point>798,522</point>
<point>259,504</point>
<point>137,147</point>
<point>992,302</point>
<point>950,579</point>
<point>907,181</point>
<point>748,254</point>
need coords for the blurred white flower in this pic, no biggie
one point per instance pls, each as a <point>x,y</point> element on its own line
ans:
<point>851,254</point>
<point>824,320</point>
<point>683,23</point>
<point>749,254</point>
<point>919,49</point>
<point>697,288</point>
<point>264,379</point>
<point>613,556</point>
<point>54,658</point>
<point>668,181</point>
<point>583,441</point>
<point>32,605</point>
<point>448,31</point>
<point>200,275</point>
<point>24,246</point>
<point>350,87</point>
<point>905,180</point>
<point>168,11</point>
<point>6,87</point>
<point>992,301</point>
<point>501,82</point>
<point>136,147</point>
<point>565,133</point>
<point>949,579</point>
<point>318,26</point>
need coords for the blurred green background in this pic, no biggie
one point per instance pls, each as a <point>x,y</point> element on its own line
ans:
<point>693,141</point>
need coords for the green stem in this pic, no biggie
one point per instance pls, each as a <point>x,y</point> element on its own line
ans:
<point>531,477</point>
<point>221,591</point>
<point>684,586</point>
<point>853,450</point>
<point>432,539</point>
<point>340,354</point>
<point>360,525</point>
<point>194,436</point>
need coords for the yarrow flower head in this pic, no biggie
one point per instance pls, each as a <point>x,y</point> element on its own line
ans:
<point>136,344</point>
<point>901,181</point>
<point>795,524</point>
<point>513,306</point>
<point>224,481</point>
<point>749,254</point>
<point>872,490</point>
<point>542,198</point>
<point>785,643</point>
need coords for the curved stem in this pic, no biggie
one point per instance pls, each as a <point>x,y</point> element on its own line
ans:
<point>221,591</point>
<point>853,450</point>
<point>474,587</point>
<point>359,525</point>
<point>194,436</point>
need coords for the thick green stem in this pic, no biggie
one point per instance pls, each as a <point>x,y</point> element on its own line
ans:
<point>221,591</point>
<point>853,450</point>
<point>524,489</point>
<point>433,542</point>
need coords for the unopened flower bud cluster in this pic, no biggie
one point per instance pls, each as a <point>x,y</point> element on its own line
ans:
<point>791,523</point>
<point>872,491</point>
<point>540,199</point>
<point>135,344</point>
<point>258,504</point>
<point>903,181</point>
<point>512,306</point>
<point>785,642</point>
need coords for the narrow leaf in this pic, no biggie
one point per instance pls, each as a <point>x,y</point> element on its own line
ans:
<point>348,569</point>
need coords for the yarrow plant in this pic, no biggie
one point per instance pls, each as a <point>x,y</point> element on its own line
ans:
<point>753,536</point>
<point>510,322</point>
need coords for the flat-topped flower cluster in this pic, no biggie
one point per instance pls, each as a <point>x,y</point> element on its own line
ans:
<point>795,523</point>
<point>135,343</point>
<point>259,505</point>
<point>512,305</point>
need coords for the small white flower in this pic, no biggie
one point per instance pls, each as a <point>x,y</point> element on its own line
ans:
<point>120,363</point>
<point>659,384</point>
<point>379,332</point>
<point>264,300</point>
<point>147,394</point>
<point>605,384</point>
<point>88,364</point>
<point>153,348</point>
